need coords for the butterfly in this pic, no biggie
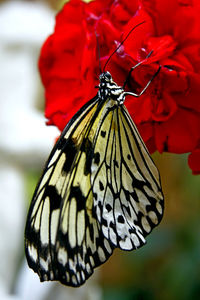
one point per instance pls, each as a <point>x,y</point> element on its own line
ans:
<point>100,190</point>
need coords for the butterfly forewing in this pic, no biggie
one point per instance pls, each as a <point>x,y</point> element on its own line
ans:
<point>100,190</point>
<point>63,237</point>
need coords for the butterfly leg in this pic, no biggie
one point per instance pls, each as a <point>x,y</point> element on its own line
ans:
<point>146,86</point>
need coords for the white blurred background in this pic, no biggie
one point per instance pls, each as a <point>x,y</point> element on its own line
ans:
<point>25,142</point>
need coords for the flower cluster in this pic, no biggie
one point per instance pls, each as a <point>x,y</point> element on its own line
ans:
<point>168,113</point>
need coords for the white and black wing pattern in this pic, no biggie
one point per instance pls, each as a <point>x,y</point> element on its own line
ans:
<point>63,238</point>
<point>128,199</point>
<point>99,190</point>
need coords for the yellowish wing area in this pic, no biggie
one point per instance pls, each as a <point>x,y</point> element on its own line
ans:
<point>79,177</point>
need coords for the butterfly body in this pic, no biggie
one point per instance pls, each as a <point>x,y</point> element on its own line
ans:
<point>100,190</point>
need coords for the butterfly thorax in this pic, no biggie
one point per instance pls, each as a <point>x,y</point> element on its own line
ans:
<point>109,89</point>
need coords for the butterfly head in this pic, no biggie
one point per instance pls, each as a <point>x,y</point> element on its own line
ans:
<point>105,77</point>
<point>108,88</point>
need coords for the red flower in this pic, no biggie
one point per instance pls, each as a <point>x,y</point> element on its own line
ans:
<point>168,113</point>
<point>194,161</point>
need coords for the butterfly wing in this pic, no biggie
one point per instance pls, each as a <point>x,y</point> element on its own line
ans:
<point>63,238</point>
<point>99,190</point>
<point>126,184</point>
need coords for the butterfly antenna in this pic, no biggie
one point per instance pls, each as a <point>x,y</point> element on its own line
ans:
<point>99,52</point>
<point>121,44</point>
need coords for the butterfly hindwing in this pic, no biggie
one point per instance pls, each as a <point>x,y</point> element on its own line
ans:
<point>125,181</point>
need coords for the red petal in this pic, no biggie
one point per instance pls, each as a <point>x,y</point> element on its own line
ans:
<point>179,134</point>
<point>194,161</point>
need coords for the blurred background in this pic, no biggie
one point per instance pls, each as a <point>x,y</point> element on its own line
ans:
<point>167,268</point>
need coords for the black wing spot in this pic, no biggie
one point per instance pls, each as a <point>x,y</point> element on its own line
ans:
<point>87,148</point>
<point>91,231</point>
<point>55,199</point>
<point>100,205</point>
<point>70,150</point>
<point>97,158</point>
<point>120,219</point>
<point>108,207</point>
<point>127,195</point>
<point>101,186</point>
<point>78,195</point>
<point>103,133</point>
<point>104,222</point>
<point>129,157</point>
